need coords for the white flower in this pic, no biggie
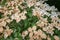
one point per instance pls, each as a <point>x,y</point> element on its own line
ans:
<point>41,24</point>
<point>34,12</point>
<point>54,14</point>
<point>24,33</point>
<point>44,29</point>
<point>35,33</point>
<point>48,38</point>
<point>8,20</point>
<point>0,6</point>
<point>30,3</point>
<point>23,17</point>
<point>12,17</point>
<point>49,30</point>
<point>31,34</point>
<point>31,38</point>
<point>12,3</point>
<point>56,37</point>
<point>1,29</point>
<point>58,27</point>
<point>29,29</point>
<point>7,33</point>
<point>34,28</point>
<point>3,23</point>
<point>38,3</point>
<point>42,34</point>
<point>16,17</point>
<point>24,11</point>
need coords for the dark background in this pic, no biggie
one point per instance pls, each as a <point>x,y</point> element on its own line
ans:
<point>56,3</point>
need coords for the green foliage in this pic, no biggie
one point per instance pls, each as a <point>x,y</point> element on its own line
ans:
<point>2,39</point>
<point>14,25</point>
<point>57,32</point>
<point>23,24</point>
<point>1,15</point>
<point>52,38</point>
<point>3,2</point>
<point>29,12</point>
<point>49,19</point>
<point>16,30</point>
<point>14,35</point>
<point>29,22</point>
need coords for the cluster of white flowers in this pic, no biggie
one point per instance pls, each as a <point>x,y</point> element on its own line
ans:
<point>10,12</point>
<point>40,10</point>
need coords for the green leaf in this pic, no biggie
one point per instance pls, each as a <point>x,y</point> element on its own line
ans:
<point>29,22</point>
<point>14,25</point>
<point>1,15</point>
<point>2,38</point>
<point>49,19</point>
<point>3,2</point>
<point>52,38</point>
<point>58,16</point>
<point>14,35</point>
<point>29,12</point>
<point>57,32</point>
